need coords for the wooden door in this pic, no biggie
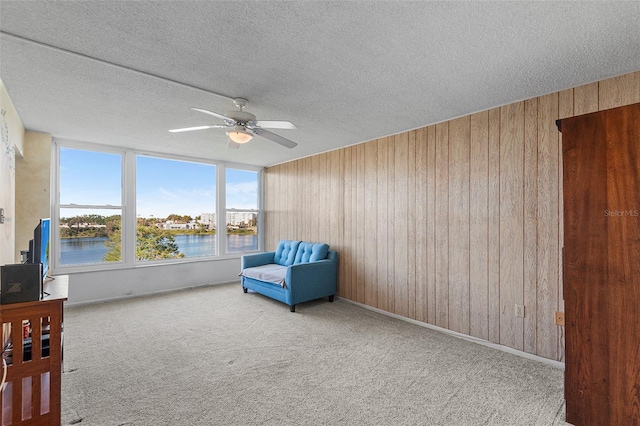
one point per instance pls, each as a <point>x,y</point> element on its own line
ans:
<point>601,157</point>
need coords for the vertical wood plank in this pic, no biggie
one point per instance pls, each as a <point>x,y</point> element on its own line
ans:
<point>277,178</point>
<point>459,136</point>
<point>401,300</point>
<point>315,176</point>
<point>332,212</point>
<point>325,217</point>
<point>511,223</point>
<point>275,205</point>
<point>381,226</point>
<point>348,226</point>
<point>299,174</point>
<point>585,99</point>
<point>341,208</point>
<point>322,198</point>
<point>312,213</point>
<point>479,226</point>
<point>493,243</point>
<point>340,245</point>
<point>391,223</point>
<point>355,235</point>
<point>285,229</point>
<point>266,207</point>
<point>346,220</point>
<point>305,198</point>
<point>421,233</point>
<point>283,211</point>
<point>293,225</point>
<point>360,232</point>
<point>565,103</point>
<point>547,250</point>
<point>442,225</point>
<point>431,225</point>
<point>530,222</point>
<point>266,217</point>
<point>338,172</point>
<point>619,91</point>
<point>370,222</point>
<point>280,204</point>
<point>411,225</point>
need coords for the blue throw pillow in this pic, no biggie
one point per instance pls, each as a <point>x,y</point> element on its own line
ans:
<point>319,252</point>
<point>286,252</point>
<point>310,252</point>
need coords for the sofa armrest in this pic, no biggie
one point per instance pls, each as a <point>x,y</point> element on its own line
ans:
<point>312,276</point>
<point>257,259</point>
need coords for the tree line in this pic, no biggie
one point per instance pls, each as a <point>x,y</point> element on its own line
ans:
<point>152,242</point>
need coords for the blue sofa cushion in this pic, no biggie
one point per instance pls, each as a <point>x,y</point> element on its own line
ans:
<point>311,252</point>
<point>286,252</point>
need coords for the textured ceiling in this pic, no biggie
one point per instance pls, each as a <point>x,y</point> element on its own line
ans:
<point>343,72</point>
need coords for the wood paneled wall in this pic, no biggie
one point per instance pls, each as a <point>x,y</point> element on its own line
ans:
<point>452,224</point>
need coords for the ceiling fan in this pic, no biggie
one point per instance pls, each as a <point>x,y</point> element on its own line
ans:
<point>243,126</point>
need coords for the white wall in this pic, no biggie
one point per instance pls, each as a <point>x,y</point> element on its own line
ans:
<point>12,133</point>
<point>86,287</point>
<point>11,141</point>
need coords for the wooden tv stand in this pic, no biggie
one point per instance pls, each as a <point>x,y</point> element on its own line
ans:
<point>34,370</point>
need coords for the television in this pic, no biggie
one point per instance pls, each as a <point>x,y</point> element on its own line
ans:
<point>39,250</point>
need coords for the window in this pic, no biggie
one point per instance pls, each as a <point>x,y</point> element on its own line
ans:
<point>242,210</point>
<point>118,208</point>
<point>175,204</point>
<point>90,215</point>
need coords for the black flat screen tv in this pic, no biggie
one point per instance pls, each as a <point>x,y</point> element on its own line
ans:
<point>41,240</point>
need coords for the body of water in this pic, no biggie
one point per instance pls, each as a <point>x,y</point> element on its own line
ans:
<point>81,251</point>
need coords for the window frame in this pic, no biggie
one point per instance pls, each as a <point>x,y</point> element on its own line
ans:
<point>259,211</point>
<point>128,207</point>
<point>217,166</point>
<point>56,266</point>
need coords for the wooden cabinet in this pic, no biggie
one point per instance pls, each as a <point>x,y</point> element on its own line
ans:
<point>601,266</point>
<point>34,358</point>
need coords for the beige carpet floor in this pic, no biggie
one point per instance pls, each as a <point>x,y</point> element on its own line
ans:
<point>216,356</point>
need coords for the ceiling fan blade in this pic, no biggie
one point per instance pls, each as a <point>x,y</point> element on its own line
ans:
<point>275,138</point>
<point>232,145</point>
<point>215,114</point>
<point>275,124</point>
<point>188,129</point>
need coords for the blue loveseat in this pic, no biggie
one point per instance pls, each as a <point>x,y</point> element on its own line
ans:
<point>296,272</point>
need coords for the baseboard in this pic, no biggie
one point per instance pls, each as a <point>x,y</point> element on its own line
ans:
<point>552,363</point>
<point>151,293</point>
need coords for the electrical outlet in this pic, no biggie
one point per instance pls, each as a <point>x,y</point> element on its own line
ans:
<point>559,318</point>
<point>519,311</point>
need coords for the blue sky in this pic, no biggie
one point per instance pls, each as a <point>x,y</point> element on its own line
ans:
<point>163,186</point>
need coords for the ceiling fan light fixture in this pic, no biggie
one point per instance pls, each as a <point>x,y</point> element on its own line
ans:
<point>239,135</point>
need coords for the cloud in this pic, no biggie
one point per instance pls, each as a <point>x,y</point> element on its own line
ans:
<point>242,195</point>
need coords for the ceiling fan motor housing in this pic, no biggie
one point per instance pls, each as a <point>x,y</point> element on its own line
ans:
<point>241,116</point>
